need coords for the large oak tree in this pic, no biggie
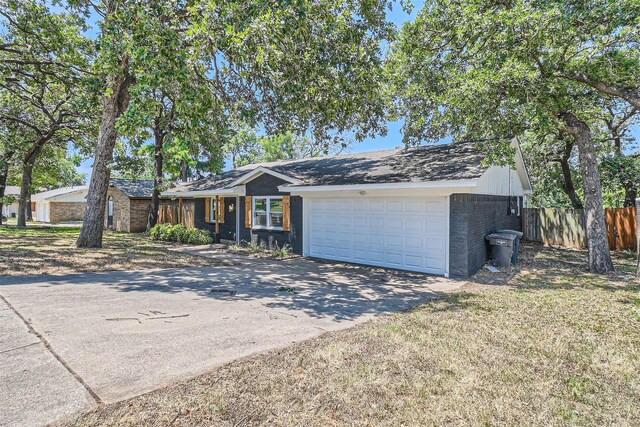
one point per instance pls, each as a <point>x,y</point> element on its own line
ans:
<point>498,68</point>
<point>284,65</point>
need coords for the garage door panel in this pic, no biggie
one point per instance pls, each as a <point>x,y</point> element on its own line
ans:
<point>376,205</point>
<point>414,261</point>
<point>394,241</point>
<point>359,254</point>
<point>414,224</point>
<point>360,238</point>
<point>398,233</point>
<point>395,206</point>
<point>376,256</point>
<point>376,239</point>
<point>394,259</point>
<point>376,222</point>
<point>413,243</point>
<point>359,222</point>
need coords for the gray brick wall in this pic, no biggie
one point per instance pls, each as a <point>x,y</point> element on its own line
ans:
<point>227,229</point>
<point>267,185</point>
<point>471,218</point>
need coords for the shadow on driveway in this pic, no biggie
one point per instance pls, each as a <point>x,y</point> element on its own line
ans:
<point>322,290</point>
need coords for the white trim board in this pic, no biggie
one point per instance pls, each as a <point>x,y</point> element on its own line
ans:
<point>250,176</point>
<point>235,191</point>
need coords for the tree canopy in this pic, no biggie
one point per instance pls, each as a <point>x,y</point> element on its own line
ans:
<point>499,69</point>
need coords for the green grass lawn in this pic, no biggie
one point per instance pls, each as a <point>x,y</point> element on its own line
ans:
<point>547,344</point>
<point>50,250</point>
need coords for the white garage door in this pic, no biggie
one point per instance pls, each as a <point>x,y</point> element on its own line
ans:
<point>408,234</point>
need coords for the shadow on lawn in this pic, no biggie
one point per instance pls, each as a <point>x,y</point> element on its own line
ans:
<point>541,267</point>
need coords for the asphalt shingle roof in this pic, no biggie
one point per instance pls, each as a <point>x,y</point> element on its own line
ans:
<point>456,161</point>
<point>140,188</point>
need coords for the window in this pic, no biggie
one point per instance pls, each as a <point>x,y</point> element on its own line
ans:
<point>212,210</point>
<point>267,212</point>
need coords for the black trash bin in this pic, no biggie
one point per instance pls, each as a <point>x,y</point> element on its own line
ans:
<point>501,247</point>
<point>516,245</point>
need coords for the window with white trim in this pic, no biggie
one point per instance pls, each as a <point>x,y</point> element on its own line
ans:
<point>212,210</point>
<point>268,212</point>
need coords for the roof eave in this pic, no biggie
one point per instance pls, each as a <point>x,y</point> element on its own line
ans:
<point>233,191</point>
<point>463,183</point>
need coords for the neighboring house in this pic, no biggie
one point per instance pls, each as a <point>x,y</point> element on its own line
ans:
<point>128,205</point>
<point>11,210</point>
<point>60,205</point>
<point>424,209</point>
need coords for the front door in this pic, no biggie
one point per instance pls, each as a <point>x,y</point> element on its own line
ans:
<point>110,212</point>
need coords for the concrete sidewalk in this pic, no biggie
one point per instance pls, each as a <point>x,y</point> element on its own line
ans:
<point>119,334</point>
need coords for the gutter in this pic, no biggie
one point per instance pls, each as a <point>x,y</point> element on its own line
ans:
<point>385,186</point>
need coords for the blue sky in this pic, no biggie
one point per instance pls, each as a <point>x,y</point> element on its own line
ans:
<point>394,135</point>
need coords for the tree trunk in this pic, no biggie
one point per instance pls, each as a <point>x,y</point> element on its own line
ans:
<point>630,194</point>
<point>568,186</point>
<point>29,210</point>
<point>597,243</point>
<point>113,106</point>
<point>183,164</point>
<point>157,179</point>
<point>4,174</point>
<point>27,174</point>
<point>27,171</point>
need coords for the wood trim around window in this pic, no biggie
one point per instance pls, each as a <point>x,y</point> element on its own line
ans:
<point>248,214</point>
<point>220,210</point>
<point>286,213</point>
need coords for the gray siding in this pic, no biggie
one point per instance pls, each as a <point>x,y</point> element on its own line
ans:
<point>227,229</point>
<point>267,185</point>
<point>471,218</point>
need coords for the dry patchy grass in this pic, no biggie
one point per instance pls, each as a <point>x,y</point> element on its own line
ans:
<point>548,344</point>
<point>50,250</point>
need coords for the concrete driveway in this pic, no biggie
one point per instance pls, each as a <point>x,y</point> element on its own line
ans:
<point>69,343</point>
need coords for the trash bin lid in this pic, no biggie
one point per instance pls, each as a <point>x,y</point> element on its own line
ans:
<point>503,236</point>
<point>514,232</point>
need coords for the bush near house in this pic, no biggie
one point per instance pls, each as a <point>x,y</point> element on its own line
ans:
<point>181,234</point>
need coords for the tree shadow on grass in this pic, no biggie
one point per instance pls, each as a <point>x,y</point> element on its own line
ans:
<point>542,267</point>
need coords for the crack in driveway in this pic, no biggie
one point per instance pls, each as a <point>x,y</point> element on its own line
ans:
<point>46,344</point>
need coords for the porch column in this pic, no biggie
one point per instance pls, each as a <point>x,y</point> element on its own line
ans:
<point>238,219</point>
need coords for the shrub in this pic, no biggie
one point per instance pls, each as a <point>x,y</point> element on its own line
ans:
<point>281,252</point>
<point>179,233</point>
<point>256,248</point>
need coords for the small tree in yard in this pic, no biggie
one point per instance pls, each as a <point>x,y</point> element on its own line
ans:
<point>285,65</point>
<point>499,68</point>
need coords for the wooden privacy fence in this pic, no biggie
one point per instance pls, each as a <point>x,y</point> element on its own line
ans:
<point>171,214</point>
<point>567,227</point>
